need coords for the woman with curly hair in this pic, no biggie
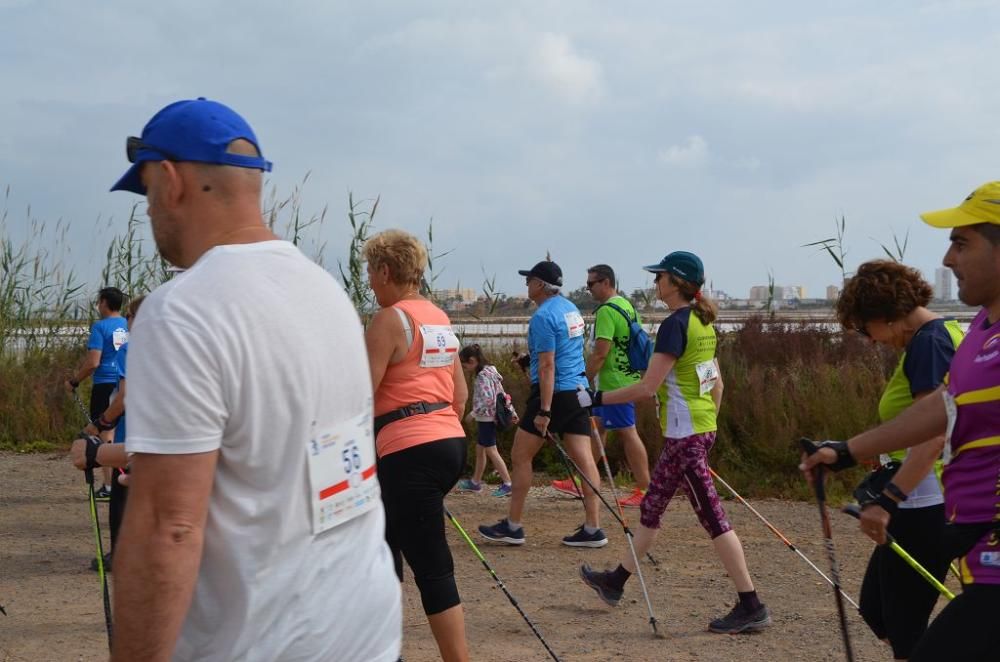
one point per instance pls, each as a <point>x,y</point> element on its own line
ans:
<point>887,302</point>
<point>420,396</point>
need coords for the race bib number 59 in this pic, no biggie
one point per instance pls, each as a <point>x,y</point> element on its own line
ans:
<point>342,483</point>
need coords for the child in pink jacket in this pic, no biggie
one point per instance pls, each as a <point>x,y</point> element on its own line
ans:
<point>487,384</point>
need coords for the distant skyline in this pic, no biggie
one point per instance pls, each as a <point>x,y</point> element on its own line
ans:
<point>598,132</point>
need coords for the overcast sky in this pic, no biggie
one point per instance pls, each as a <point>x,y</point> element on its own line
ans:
<point>600,131</point>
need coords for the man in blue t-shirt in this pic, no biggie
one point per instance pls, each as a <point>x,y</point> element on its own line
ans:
<point>555,343</point>
<point>107,336</point>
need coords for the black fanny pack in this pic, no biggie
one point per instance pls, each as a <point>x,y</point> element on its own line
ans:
<point>407,411</point>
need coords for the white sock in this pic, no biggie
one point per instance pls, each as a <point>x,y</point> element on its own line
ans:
<point>591,530</point>
<point>514,526</point>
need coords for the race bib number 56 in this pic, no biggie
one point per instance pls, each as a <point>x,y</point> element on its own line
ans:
<point>342,483</point>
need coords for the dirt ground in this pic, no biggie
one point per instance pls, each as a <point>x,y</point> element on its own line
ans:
<point>54,607</point>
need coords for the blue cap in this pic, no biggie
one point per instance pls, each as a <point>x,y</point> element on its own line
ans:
<point>192,130</point>
<point>684,265</point>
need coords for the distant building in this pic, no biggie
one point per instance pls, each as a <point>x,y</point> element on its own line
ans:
<point>832,292</point>
<point>465,295</point>
<point>942,284</point>
<point>789,292</point>
<point>760,293</point>
<point>781,292</point>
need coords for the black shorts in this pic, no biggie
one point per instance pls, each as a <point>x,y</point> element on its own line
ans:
<point>100,398</point>
<point>568,417</point>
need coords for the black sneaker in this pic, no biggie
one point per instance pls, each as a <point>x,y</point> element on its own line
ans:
<point>601,582</point>
<point>741,620</point>
<point>107,563</point>
<point>580,538</point>
<point>501,532</point>
<point>103,494</point>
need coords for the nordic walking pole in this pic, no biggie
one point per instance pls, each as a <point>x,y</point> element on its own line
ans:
<point>567,458</point>
<point>621,512</point>
<point>500,583</point>
<point>854,511</point>
<point>809,447</point>
<point>83,410</point>
<point>572,477</point>
<point>781,536</point>
<point>100,553</point>
<point>89,475</point>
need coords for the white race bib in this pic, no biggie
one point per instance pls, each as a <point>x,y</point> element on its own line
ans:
<point>118,338</point>
<point>952,409</point>
<point>342,483</point>
<point>708,375</point>
<point>574,324</point>
<point>440,345</point>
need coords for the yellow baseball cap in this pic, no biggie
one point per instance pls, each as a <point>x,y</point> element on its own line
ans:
<point>982,206</point>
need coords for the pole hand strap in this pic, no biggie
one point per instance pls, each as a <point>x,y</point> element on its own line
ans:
<point>90,450</point>
<point>844,458</point>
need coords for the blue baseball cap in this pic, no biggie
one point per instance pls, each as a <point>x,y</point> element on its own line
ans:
<point>682,264</point>
<point>191,130</point>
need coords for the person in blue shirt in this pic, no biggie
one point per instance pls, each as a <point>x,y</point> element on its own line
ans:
<point>557,369</point>
<point>110,455</point>
<point>107,336</point>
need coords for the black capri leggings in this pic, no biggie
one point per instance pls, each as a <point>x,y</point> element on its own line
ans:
<point>414,483</point>
<point>896,602</point>
<point>965,630</point>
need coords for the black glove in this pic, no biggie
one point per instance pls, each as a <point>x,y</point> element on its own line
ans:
<point>93,443</point>
<point>844,458</point>
<point>588,397</point>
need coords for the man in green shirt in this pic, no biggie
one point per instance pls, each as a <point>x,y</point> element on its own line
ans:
<point>608,369</point>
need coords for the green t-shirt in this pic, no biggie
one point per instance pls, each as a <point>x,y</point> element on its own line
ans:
<point>611,325</point>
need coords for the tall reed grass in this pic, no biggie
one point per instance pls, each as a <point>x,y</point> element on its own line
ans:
<point>782,380</point>
<point>46,308</point>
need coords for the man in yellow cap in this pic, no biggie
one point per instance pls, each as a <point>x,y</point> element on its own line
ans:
<point>967,411</point>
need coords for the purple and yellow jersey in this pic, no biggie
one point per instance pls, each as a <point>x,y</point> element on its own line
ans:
<point>972,474</point>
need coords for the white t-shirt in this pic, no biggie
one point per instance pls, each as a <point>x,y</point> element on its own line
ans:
<point>249,352</point>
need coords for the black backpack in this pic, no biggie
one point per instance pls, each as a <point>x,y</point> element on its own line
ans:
<point>640,347</point>
<point>504,417</point>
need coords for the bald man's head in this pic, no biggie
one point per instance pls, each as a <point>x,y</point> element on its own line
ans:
<point>230,182</point>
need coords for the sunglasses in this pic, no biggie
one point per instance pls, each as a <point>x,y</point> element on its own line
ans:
<point>134,145</point>
<point>591,283</point>
<point>658,276</point>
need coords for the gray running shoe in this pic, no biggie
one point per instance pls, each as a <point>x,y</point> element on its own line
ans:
<point>740,620</point>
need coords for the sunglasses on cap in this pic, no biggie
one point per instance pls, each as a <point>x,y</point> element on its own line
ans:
<point>134,145</point>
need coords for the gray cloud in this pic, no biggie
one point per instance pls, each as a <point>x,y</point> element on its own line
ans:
<point>599,132</point>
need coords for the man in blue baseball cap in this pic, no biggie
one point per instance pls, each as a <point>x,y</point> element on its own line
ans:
<point>246,536</point>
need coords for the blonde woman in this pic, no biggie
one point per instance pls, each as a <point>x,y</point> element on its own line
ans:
<point>420,396</point>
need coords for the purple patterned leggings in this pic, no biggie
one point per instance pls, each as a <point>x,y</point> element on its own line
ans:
<point>684,464</point>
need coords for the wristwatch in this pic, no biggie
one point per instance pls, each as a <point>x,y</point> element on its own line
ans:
<point>103,424</point>
<point>544,413</point>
